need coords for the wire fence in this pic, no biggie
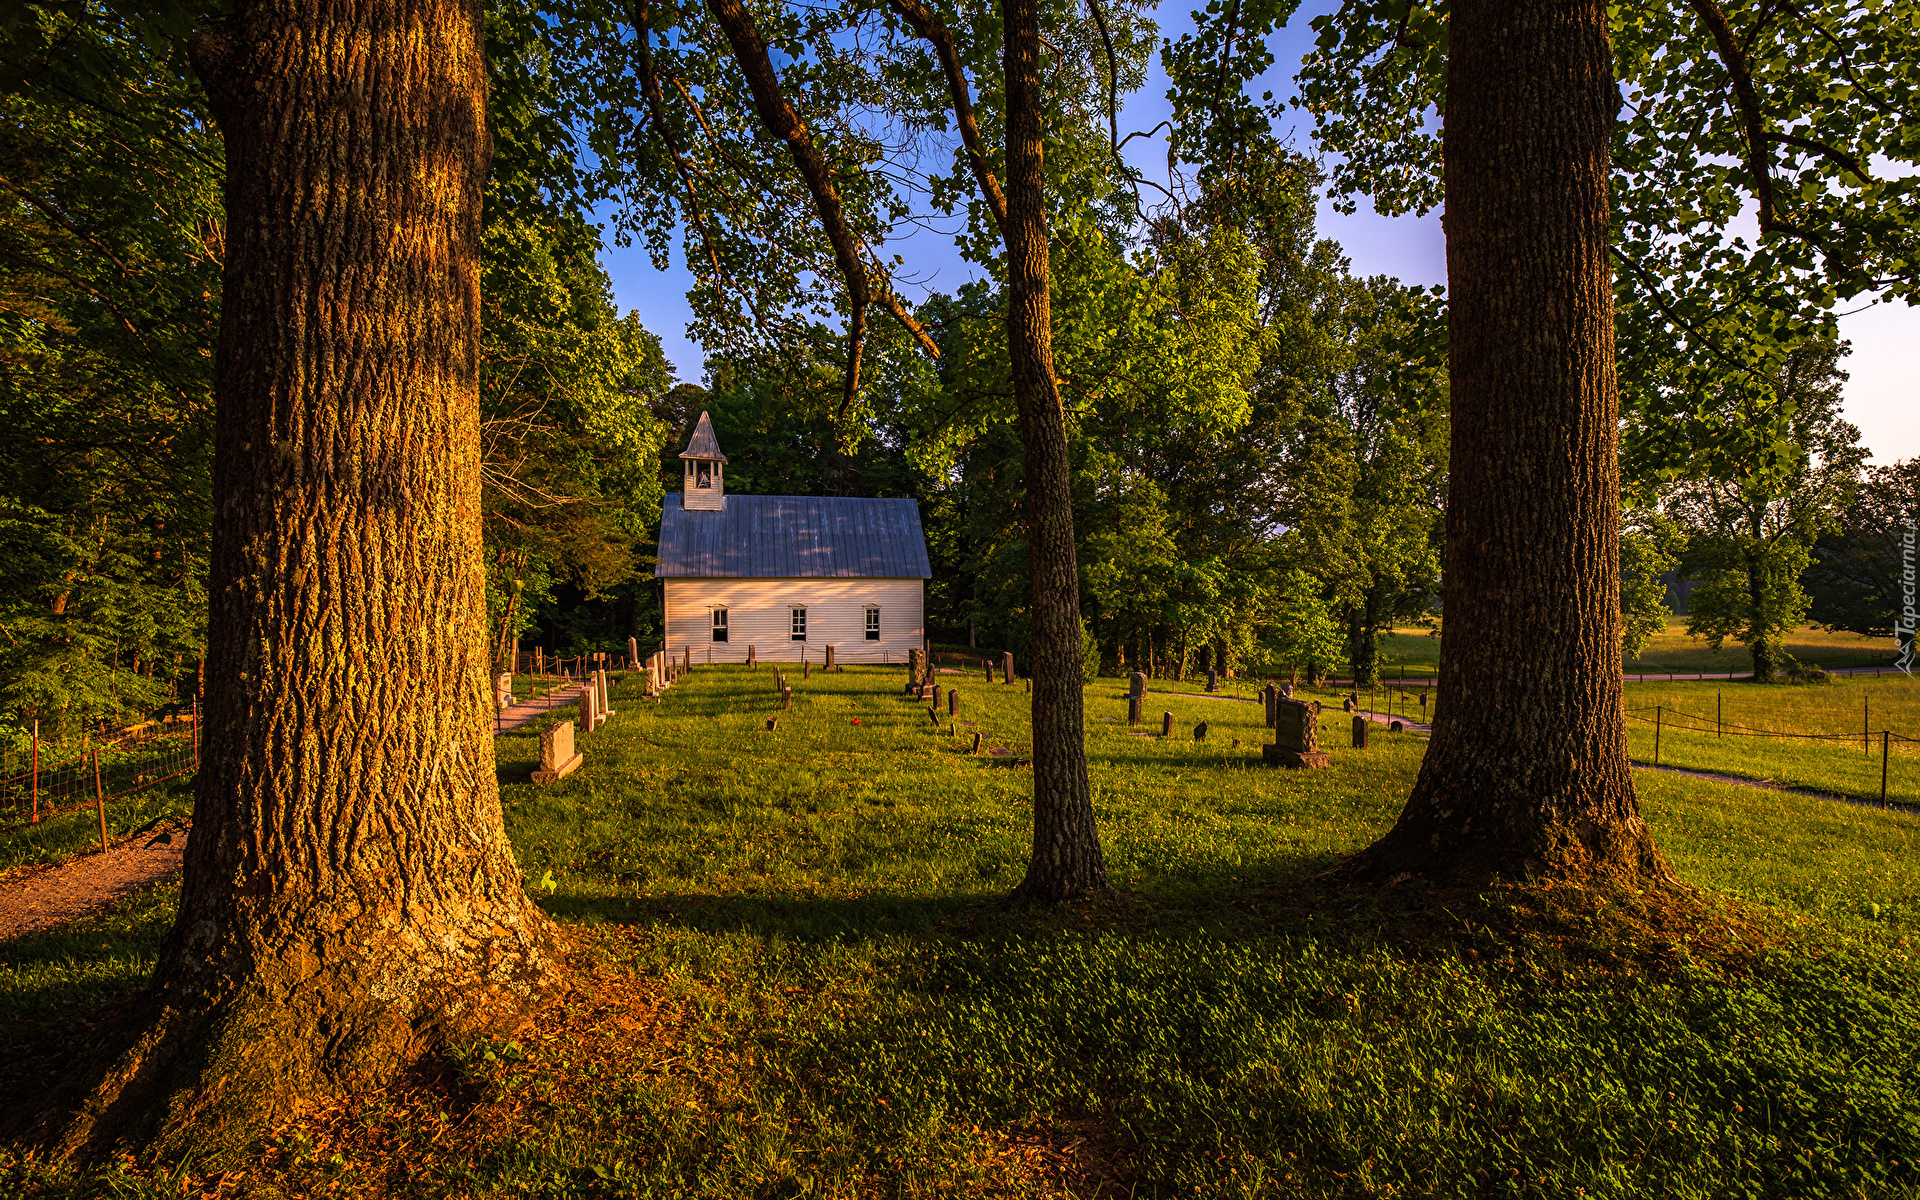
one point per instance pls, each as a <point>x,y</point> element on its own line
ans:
<point>1666,719</point>
<point>50,779</point>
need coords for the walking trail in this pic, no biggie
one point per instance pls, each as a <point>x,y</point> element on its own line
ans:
<point>528,711</point>
<point>48,898</point>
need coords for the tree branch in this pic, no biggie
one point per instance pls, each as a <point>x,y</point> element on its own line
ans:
<point>935,33</point>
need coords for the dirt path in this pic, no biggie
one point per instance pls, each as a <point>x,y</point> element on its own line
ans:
<point>528,711</point>
<point>70,890</point>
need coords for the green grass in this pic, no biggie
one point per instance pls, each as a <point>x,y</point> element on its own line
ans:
<point>1839,763</point>
<point>809,984</point>
<point>1674,650</point>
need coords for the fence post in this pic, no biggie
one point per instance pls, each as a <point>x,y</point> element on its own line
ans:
<point>1886,736</point>
<point>1719,726</point>
<point>99,798</point>
<point>1656,735</point>
<point>36,771</point>
<point>196,735</point>
<point>1866,743</point>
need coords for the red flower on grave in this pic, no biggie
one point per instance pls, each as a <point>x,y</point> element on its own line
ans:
<point>856,720</point>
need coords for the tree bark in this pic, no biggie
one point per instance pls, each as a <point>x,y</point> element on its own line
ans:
<point>1066,859</point>
<point>349,897</point>
<point>1527,774</point>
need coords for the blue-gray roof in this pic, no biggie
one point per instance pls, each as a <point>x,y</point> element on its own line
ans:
<point>793,537</point>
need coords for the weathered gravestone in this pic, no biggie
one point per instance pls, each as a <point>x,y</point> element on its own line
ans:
<point>633,653</point>
<point>953,702</point>
<point>1136,684</point>
<point>829,658</point>
<point>1166,724</point>
<point>936,695</point>
<point>1270,696</point>
<point>1296,737</point>
<point>1213,681</point>
<point>806,669</point>
<point>1006,667</point>
<point>503,690</point>
<point>1133,709</point>
<point>1360,733</point>
<point>589,711</point>
<point>752,656</point>
<point>1200,732</point>
<point>914,669</point>
<point>605,698</point>
<point>557,755</point>
<point>1286,691</point>
<point>988,664</point>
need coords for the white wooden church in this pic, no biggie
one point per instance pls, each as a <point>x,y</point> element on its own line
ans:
<point>787,575</point>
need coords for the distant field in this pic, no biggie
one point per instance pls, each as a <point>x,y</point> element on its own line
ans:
<point>1673,650</point>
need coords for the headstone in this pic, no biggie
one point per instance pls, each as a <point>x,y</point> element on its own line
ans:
<point>976,743</point>
<point>689,658</point>
<point>988,664</point>
<point>936,695</point>
<point>953,703</point>
<point>1348,704</point>
<point>1200,732</point>
<point>1136,684</point>
<point>1296,736</point>
<point>1397,726</point>
<point>773,723</point>
<point>1271,695</point>
<point>589,711</point>
<point>933,716</point>
<point>1006,667</point>
<point>752,660</point>
<point>806,669</point>
<point>916,667</point>
<point>1166,724</point>
<point>1360,733</point>
<point>605,686</point>
<point>557,755</point>
<point>1213,681</point>
<point>1133,710</point>
<point>503,690</point>
<point>829,658</point>
<point>633,653</point>
<point>1286,691</point>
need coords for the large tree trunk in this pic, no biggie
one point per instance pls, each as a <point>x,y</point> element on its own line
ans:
<point>1527,772</point>
<point>349,896</point>
<point>1066,844</point>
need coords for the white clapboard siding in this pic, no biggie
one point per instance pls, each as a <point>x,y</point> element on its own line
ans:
<point>759,614</point>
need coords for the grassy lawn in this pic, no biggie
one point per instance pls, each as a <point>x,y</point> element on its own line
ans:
<point>1673,650</point>
<point>1840,763</point>
<point>799,980</point>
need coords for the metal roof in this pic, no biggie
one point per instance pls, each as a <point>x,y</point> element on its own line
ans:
<point>793,537</point>
<point>703,444</point>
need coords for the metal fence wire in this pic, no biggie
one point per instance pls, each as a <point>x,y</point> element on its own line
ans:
<point>45,781</point>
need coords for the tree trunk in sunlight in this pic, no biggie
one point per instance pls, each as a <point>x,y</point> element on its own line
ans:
<point>349,900</point>
<point>1066,858</point>
<point>1527,773</point>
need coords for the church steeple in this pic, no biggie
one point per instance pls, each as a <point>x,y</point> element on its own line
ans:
<point>706,485</point>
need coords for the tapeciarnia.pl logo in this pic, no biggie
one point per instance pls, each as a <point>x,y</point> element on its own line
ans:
<point>1903,624</point>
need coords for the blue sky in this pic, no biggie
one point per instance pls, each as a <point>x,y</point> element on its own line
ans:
<point>1882,393</point>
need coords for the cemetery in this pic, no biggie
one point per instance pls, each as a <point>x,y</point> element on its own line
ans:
<point>764,601</point>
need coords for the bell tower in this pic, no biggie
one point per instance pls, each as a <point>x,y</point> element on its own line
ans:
<point>705,484</point>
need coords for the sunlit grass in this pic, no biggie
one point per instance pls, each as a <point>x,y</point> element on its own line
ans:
<point>809,984</point>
